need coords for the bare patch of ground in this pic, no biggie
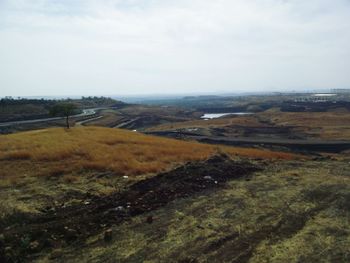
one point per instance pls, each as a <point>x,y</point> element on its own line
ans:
<point>62,226</point>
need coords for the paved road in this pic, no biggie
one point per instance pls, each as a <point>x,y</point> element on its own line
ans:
<point>85,113</point>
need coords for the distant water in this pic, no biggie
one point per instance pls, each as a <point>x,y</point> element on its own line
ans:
<point>218,115</point>
<point>325,95</point>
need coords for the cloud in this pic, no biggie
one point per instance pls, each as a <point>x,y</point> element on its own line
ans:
<point>153,46</point>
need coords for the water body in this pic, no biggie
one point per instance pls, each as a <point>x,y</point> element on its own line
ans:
<point>325,95</point>
<point>218,115</point>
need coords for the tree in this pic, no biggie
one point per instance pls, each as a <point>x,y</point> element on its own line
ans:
<point>63,109</point>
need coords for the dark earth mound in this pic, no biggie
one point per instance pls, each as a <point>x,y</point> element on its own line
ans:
<point>26,235</point>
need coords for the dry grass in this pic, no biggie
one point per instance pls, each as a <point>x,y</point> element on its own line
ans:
<point>311,119</point>
<point>254,153</point>
<point>109,119</point>
<point>259,217</point>
<point>265,219</point>
<point>247,121</point>
<point>58,151</point>
<point>17,155</point>
<point>326,125</point>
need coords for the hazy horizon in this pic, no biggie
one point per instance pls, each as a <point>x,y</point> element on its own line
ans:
<point>168,95</point>
<point>140,47</point>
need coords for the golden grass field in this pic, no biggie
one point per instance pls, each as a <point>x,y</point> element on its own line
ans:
<point>121,151</point>
<point>45,165</point>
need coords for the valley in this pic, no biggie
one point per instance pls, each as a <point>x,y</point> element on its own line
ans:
<point>158,182</point>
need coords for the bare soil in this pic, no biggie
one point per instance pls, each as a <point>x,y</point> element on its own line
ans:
<point>25,235</point>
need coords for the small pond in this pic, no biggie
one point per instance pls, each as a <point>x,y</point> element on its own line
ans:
<point>218,115</point>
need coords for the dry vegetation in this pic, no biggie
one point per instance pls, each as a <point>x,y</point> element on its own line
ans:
<point>326,125</point>
<point>110,118</point>
<point>333,125</point>
<point>290,211</point>
<point>139,110</point>
<point>121,151</point>
<point>56,165</point>
<point>219,122</point>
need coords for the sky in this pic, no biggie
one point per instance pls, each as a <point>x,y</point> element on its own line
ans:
<point>134,47</point>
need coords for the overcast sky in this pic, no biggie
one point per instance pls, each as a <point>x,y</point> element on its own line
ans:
<point>111,47</point>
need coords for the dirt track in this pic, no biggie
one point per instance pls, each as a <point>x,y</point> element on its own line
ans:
<point>62,226</point>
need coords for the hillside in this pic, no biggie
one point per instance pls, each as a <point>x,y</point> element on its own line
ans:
<point>27,109</point>
<point>73,155</point>
<point>92,194</point>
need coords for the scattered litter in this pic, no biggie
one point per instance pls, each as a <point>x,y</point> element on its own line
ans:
<point>125,177</point>
<point>207,177</point>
